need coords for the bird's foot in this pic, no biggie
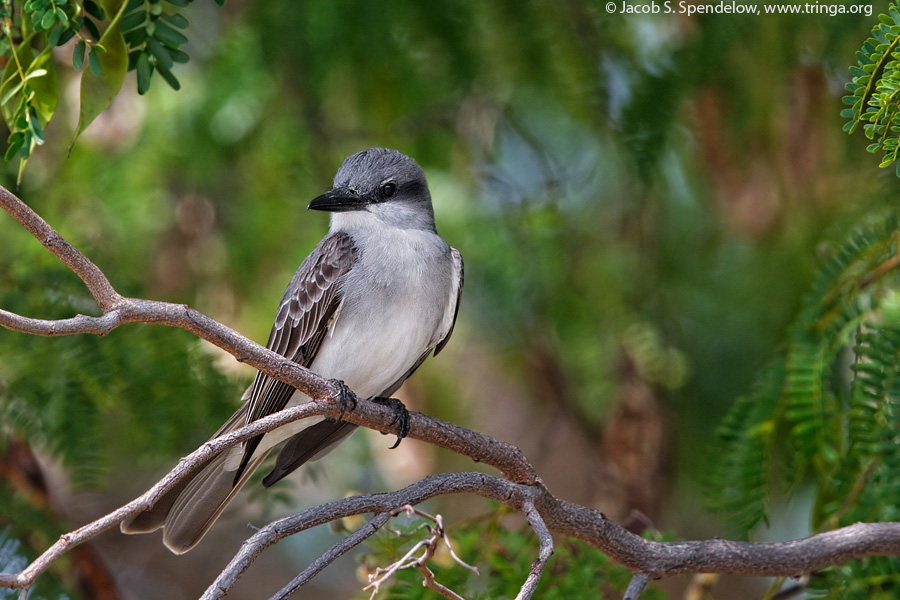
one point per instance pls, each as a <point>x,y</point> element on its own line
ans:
<point>346,399</point>
<point>401,416</point>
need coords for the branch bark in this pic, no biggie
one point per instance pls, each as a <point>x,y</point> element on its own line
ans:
<point>520,488</point>
<point>533,516</point>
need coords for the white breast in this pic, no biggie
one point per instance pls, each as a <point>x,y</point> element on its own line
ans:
<point>395,299</point>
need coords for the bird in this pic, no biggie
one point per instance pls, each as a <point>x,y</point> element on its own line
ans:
<point>377,295</point>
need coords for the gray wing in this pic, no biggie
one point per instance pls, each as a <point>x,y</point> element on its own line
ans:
<point>455,297</point>
<point>307,310</point>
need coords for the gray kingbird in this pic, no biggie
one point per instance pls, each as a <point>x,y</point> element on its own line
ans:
<point>374,298</point>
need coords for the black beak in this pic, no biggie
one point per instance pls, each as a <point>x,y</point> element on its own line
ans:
<point>338,200</point>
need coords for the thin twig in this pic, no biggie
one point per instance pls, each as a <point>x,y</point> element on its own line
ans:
<point>438,534</point>
<point>428,579</point>
<point>351,541</point>
<point>383,574</point>
<point>879,271</point>
<point>545,550</point>
<point>638,582</point>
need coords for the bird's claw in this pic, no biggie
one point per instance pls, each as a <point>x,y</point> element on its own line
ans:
<point>346,399</point>
<point>401,417</point>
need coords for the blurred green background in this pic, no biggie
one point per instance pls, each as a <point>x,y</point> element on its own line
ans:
<point>639,201</point>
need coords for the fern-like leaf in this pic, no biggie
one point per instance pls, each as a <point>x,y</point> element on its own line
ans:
<point>829,408</point>
<point>874,99</point>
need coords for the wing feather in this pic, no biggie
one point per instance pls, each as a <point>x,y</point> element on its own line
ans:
<point>455,296</point>
<point>311,300</point>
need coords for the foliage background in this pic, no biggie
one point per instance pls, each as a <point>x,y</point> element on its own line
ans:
<point>641,202</point>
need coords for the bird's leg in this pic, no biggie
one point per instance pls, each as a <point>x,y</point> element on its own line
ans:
<point>346,399</point>
<point>401,416</point>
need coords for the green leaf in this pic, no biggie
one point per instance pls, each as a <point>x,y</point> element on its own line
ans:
<point>27,145</point>
<point>132,20</point>
<point>136,37</point>
<point>94,9</point>
<point>48,19</point>
<point>94,62</point>
<point>132,59</point>
<point>144,72</point>
<point>67,35</point>
<point>98,91</point>
<point>92,28</point>
<point>45,89</point>
<point>176,20</point>
<point>163,58</point>
<point>78,55</point>
<point>168,36</point>
<point>14,142</point>
<point>34,126</point>
<point>12,92</point>
<point>170,79</point>
<point>11,79</point>
<point>179,56</point>
<point>53,38</point>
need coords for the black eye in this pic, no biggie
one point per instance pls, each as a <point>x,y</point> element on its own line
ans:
<point>388,189</point>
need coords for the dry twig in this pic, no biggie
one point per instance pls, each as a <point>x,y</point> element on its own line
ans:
<point>430,545</point>
<point>546,550</point>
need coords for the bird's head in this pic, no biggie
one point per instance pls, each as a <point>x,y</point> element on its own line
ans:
<point>375,188</point>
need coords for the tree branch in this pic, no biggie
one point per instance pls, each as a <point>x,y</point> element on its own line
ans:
<point>546,549</point>
<point>637,584</point>
<point>521,489</point>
